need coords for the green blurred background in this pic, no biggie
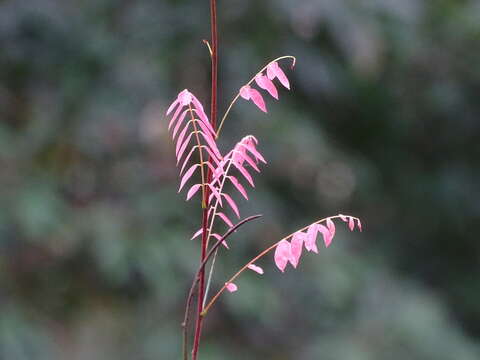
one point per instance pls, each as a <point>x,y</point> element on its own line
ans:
<point>382,122</point>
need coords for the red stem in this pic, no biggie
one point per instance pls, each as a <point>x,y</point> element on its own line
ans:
<point>213,120</point>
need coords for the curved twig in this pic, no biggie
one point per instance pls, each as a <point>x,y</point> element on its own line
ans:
<point>200,268</point>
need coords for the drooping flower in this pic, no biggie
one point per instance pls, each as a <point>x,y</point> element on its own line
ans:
<point>297,247</point>
<point>255,268</point>
<point>283,254</point>
<point>231,287</point>
<point>264,82</point>
<point>274,71</point>
<point>286,251</point>
<point>249,93</point>
<point>197,128</point>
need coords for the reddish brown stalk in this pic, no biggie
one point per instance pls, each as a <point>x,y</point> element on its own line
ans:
<point>213,120</point>
<point>201,268</point>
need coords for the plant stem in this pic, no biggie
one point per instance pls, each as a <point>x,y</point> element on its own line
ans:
<point>213,121</point>
<point>200,269</point>
<point>263,253</point>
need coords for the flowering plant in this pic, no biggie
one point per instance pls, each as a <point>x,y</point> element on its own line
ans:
<point>220,175</point>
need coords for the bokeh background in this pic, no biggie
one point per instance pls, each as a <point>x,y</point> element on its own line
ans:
<point>382,122</point>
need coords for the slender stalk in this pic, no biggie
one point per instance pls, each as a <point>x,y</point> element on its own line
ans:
<point>200,151</point>
<point>200,269</point>
<point>294,59</point>
<point>210,276</point>
<point>213,120</point>
<point>262,254</point>
<point>214,213</point>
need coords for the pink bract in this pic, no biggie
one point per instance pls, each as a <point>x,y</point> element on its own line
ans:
<point>255,268</point>
<point>231,287</point>
<point>283,254</point>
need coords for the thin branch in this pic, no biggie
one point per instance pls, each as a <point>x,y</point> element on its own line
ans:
<point>263,253</point>
<point>294,59</point>
<point>213,122</point>
<point>197,278</point>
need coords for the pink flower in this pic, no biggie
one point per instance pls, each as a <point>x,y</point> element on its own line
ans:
<point>249,93</point>
<point>283,254</point>
<point>255,268</point>
<point>231,287</point>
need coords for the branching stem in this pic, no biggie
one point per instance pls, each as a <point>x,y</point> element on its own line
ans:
<point>213,121</point>
<point>294,59</point>
<point>197,277</point>
<point>263,253</point>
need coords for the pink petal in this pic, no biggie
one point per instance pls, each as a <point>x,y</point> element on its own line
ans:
<point>197,105</point>
<point>207,127</point>
<point>225,219</point>
<point>245,173</point>
<point>231,287</point>
<point>213,156</point>
<point>210,166</point>
<point>185,97</point>
<point>232,204</point>
<point>239,186</point>
<point>283,254</point>
<point>359,224</point>
<point>218,237</point>
<point>327,235</point>
<point>311,238</point>
<point>274,71</point>
<point>179,123</point>
<point>172,106</point>
<point>255,268</point>
<point>245,92</point>
<point>254,152</point>
<point>351,223</point>
<point>188,158</point>
<point>201,114</point>
<point>181,138</point>
<point>188,175</point>
<point>257,99</point>
<point>197,234</point>
<point>250,139</point>
<point>183,148</point>
<point>211,143</point>
<point>193,190</point>
<point>297,245</point>
<point>248,159</point>
<point>206,131</point>
<point>343,217</point>
<point>331,227</point>
<point>266,84</point>
<point>215,193</point>
<point>175,115</point>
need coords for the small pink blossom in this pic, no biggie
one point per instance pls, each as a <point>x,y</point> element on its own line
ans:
<point>231,287</point>
<point>249,93</point>
<point>283,254</point>
<point>274,71</point>
<point>296,247</point>
<point>265,83</point>
<point>311,238</point>
<point>255,268</point>
<point>327,235</point>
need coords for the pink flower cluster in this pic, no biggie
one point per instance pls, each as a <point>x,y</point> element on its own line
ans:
<point>291,251</point>
<point>199,129</point>
<point>265,82</point>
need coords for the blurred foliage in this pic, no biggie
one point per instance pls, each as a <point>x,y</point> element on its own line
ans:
<point>382,122</point>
